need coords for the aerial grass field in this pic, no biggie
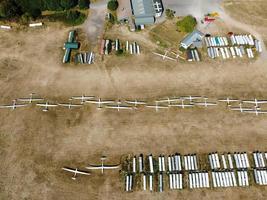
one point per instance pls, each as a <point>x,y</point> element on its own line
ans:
<point>35,145</point>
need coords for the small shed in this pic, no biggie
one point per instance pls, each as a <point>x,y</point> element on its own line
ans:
<point>195,36</point>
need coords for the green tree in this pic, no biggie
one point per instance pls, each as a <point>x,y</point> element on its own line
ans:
<point>169,13</point>
<point>25,18</point>
<point>27,5</point>
<point>187,24</point>
<point>36,12</point>
<point>52,5</point>
<point>9,9</point>
<point>113,5</point>
<point>84,4</point>
<point>67,4</point>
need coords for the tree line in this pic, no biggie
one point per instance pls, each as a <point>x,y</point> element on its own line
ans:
<point>33,8</point>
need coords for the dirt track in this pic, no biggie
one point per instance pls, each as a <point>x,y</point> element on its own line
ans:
<point>35,145</point>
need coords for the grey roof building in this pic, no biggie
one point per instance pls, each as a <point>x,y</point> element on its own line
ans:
<point>194,37</point>
<point>143,11</point>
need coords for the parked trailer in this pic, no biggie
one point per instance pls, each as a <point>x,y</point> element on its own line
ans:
<point>258,46</point>
<point>227,52</point>
<point>159,164</point>
<point>224,162</point>
<point>141,163</point>
<point>169,164</point>
<point>36,24</point>
<point>129,183</point>
<point>134,48</point>
<point>150,183</point>
<point>233,52</point>
<point>230,161</point>
<point>138,49</point>
<point>160,182</point>
<point>5,27</point>
<point>134,164</point>
<point>170,181</point>
<point>144,182</point>
<point>163,163</point>
<point>151,167</point>
<point>131,49</point>
<point>127,46</point>
<point>196,55</point>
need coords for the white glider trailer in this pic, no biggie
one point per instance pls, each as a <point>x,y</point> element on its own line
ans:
<point>141,163</point>
<point>5,27</point>
<point>161,163</point>
<point>36,24</point>
<point>134,164</point>
<point>151,165</point>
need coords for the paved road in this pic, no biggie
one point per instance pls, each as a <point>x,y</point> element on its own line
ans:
<point>197,8</point>
<point>95,22</point>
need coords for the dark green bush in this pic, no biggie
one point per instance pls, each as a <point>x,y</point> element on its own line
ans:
<point>84,4</point>
<point>113,5</point>
<point>187,24</point>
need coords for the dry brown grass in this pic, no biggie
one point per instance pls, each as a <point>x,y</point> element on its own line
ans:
<point>35,145</point>
<point>249,12</point>
<point>166,34</point>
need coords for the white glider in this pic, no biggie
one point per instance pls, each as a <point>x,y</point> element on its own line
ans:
<point>75,171</point>
<point>70,105</point>
<point>30,99</point>
<point>14,105</point>
<point>255,101</point>
<point>136,102</point>
<point>157,107</point>
<point>46,106</point>
<point>102,167</point>
<point>205,103</point>
<point>99,102</point>
<point>83,98</point>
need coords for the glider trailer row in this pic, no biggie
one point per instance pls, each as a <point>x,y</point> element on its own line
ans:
<point>260,176</point>
<point>229,52</point>
<point>242,40</point>
<point>85,58</point>
<point>259,158</point>
<point>198,180</point>
<point>216,41</point>
<point>226,160</point>
<point>223,179</point>
<point>241,160</point>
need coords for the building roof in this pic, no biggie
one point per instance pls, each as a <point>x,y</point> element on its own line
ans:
<point>66,57</point>
<point>192,37</point>
<point>143,8</point>
<point>144,20</point>
<point>71,45</point>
